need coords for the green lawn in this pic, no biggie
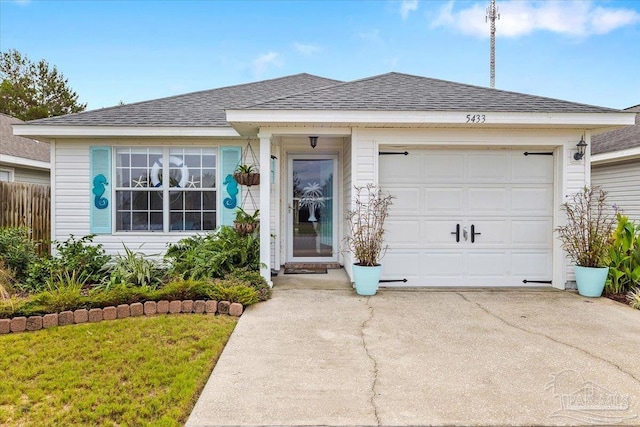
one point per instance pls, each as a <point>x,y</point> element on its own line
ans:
<point>136,371</point>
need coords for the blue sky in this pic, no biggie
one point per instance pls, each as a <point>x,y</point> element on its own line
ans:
<point>111,51</point>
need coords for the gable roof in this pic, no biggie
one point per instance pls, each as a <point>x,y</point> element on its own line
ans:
<point>18,146</point>
<point>619,139</point>
<point>405,92</point>
<point>204,108</point>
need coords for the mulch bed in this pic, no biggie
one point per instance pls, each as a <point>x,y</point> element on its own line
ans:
<point>621,298</point>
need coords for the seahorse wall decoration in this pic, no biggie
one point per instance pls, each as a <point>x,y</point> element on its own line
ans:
<point>98,190</point>
<point>232,189</point>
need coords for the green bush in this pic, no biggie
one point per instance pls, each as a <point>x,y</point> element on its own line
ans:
<point>7,280</point>
<point>135,269</point>
<point>624,255</point>
<point>118,294</point>
<point>253,279</point>
<point>77,257</point>
<point>17,250</point>
<point>64,293</point>
<point>214,255</point>
<point>233,290</point>
<point>182,289</point>
<point>20,306</point>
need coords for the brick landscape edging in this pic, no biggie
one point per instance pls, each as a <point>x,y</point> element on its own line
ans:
<point>122,311</point>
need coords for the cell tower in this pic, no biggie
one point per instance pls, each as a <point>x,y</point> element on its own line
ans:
<point>492,16</point>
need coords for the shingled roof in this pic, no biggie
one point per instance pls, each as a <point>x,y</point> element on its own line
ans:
<point>18,146</point>
<point>204,108</point>
<point>619,139</point>
<point>386,92</point>
<point>404,92</point>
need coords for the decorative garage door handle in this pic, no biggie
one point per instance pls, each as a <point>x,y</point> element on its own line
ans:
<point>457,232</point>
<point>474,234</point>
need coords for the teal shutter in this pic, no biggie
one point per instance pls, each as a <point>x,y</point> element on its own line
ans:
<point>230,196</point>
<point>100,184</point>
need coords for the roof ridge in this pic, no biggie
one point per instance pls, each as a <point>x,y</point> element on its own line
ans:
<point>278,98</point>
<point>113,107</point>
<point>338,84</point>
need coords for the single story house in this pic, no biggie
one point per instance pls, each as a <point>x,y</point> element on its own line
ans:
<point>22,159</point>
<point>478,174</point>
<point>615,165</point>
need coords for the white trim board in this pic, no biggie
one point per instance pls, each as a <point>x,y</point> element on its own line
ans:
<point>28,163</point>
<point>46,131</point>
<point>615,156</point>
<point>371,118</point>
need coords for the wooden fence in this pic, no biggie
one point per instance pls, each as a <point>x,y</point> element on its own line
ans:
<point>27,205</point>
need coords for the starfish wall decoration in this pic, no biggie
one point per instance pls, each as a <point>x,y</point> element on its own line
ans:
<point>143,181</point>
<point>192,183</point>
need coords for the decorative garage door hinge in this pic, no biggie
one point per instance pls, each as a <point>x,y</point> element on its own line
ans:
<point>541,153</point>
<point>548,282</point>
<point>391,153</point>
<point>392,280</point>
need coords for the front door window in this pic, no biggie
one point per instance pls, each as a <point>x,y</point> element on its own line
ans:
<point>312,208</point>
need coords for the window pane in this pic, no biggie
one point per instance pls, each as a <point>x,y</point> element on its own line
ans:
<point>209,200</point>
<point>123,221</point>
<point>209,221</point>
<point>208,179</point>
<point>193,200</point>
<point>155,221</point>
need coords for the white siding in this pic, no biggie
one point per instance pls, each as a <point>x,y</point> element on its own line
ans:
<point>622,182</point>
<point>31,176</point>
<point>72,195</point>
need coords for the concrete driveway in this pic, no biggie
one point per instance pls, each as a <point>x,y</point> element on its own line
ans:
<point>515,357</point>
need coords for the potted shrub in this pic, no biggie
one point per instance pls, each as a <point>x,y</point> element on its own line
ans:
<point>247,175</point>
<point>245,223</point>
<point>366,232</point>
<point>586,237</point>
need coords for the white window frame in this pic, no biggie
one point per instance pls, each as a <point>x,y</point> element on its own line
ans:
<point>10,171</point>
<point>166,189</point>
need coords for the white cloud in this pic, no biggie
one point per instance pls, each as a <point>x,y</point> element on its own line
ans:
<point>261,63</point>
<point>408,6</point>
<point>306,49</point>
<point>577,18</point>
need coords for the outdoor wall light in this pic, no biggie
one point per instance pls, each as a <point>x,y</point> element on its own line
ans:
<point>581,148</point>
<point>313,141</point>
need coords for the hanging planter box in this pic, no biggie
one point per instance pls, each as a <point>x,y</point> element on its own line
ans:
<point>244,229</point>
<point>248,179</point>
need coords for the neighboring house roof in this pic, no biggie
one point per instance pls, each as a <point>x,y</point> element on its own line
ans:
<point>204,108</point>
<point>18,147</point>
<point>619,139</point>
<point>404,92</point>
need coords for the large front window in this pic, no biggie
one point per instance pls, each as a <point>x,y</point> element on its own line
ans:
<point>165,189</point>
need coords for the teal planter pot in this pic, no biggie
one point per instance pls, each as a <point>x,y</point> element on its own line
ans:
<point>591,280</point>
<point>366,279</point>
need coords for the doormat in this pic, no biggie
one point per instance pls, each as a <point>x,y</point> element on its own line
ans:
<point>292,270</point>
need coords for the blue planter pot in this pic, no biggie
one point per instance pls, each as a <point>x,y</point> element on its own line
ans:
<point>591,280</point>
<point>366,279</point>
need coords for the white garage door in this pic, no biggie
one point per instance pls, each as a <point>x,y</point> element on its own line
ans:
<point>468,218</point>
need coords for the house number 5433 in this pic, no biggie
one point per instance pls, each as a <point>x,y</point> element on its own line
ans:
<point>476,118</point>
